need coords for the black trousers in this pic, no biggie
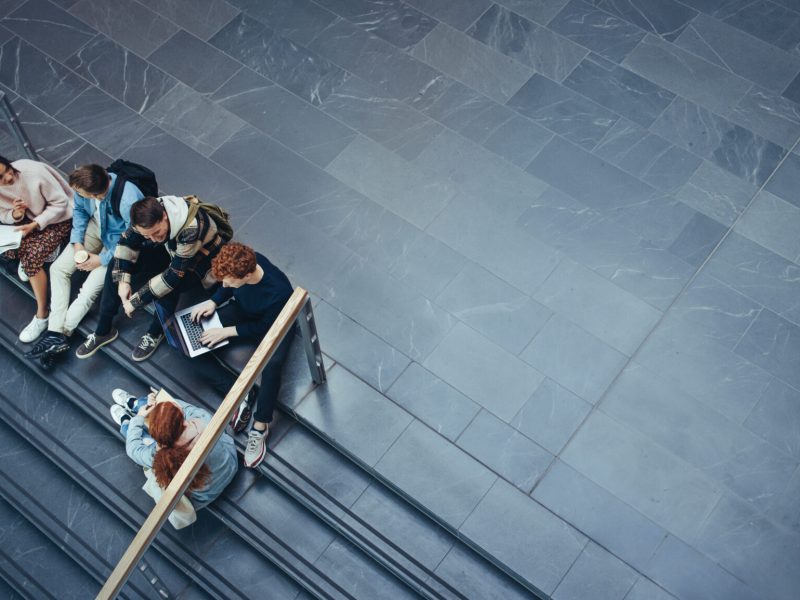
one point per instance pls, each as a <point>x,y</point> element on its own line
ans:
<point>150,263</point>
<point>208,368</point>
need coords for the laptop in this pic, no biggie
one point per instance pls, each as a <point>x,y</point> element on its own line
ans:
<point>183,333</point>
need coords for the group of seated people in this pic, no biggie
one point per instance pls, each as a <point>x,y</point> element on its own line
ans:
<point>166,245</point>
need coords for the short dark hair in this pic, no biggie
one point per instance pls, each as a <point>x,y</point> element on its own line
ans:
<point>7,164</point>
<point>147,212</point>
<point>93,179</point>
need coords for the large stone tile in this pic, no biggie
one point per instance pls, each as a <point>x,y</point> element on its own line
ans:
<point>437,404</point>
<point>773,343</point>
<point>120,73</point>
<point>203,18</point>
<point>402,317</point>
<point>666,18</point>
<point>732,147</point>
<point>518,140</point>
<point>708,371</point>
<point>473,576</point>
<point>602,516</point>
<point>615,316</point>
<point>697,240</point>
<point>297,20</point>
<point>596,573</point>
<point>475,366</point>
<point>52,141</point>
<point>194,62</point>
<point>770,115</point>
<point>407,190</point>
<point>475,231</point>
<point>776,417</point>
<point>716,193</point>
<point>765,20</point>
<point>494,308</point>
<point>752,548</point>
<point>370,110</point>
<point>620,90</point>
<point>783,508</point>
<point>194,119</point>
<point>394,21</point>
<point>540,11</point>
<point>126,22</point>
<point>704,438</point>
<point>84,155</point>
<point>685,572</point>
<point>563,111</point>
<point>738,52</point>
<point>574,358</point>
<point>644,589</point>
<point>597,30</point>
<point>474,64</point>
<point>358,350</point>
<point>505,451</point>
<point>792,91</point>
<point>436,474</point>
<point>551,416</point>
<point>354,416</point>
<point>686,75</point>
<point>643,474</point>
<point>456,13</point>
<point>49,28</point>
<point>104,121</point>
<point>36,77</point>
<point>786,179</point>
<point>402,76</point>
<point>759,274</point>
<point>293,67</point>
<point>285,117</point>
<point>515,36</point>
<point>773,223</point>
<point>538,546</point>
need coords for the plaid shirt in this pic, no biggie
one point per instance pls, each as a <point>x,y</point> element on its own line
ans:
<point>191,251</point>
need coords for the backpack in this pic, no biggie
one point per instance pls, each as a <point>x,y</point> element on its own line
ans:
<point>218,214</point>
<point>137,174</point>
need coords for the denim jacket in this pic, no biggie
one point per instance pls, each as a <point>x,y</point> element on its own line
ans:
<point>111,226</point>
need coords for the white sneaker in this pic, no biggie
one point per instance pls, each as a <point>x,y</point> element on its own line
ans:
<point>119,414</point>
<point>33,330</point>
<point>21,273</point>
<point>256,448</point>
<point>123,399</point>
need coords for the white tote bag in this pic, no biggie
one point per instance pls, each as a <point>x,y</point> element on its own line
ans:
<point>182,515</point>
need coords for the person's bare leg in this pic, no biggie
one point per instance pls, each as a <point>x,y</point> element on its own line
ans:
<point>39,285</point>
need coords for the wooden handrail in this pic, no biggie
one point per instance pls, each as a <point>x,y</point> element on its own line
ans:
<point>211,434</point>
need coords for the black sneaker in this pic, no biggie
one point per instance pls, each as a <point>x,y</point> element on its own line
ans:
<point>94,342</point>
<point>51,343</point>
<point>241,416</point>
<point>147,345</point>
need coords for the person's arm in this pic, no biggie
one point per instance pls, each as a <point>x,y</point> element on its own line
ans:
<point>7,216</point>
<point>222,295</point>
<point>190,411</point>
<point>257,328</point>
<point>80,219</point>
<point>139,452</point>
<point>130,194</point>
<point>55,196</point>
<point>126,254</point>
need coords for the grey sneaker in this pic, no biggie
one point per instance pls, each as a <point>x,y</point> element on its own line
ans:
<point>123,399</point>
<point>94,342</point>
<point>256,448</point>
<point>147,345</point>
<point>241,416</point>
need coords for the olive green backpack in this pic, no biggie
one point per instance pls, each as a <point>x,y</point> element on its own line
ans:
<point>219,215</point>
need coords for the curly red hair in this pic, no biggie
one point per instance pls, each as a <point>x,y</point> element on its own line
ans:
<point>165,424</point>
<point>168,460</point>
<point>234,260</point>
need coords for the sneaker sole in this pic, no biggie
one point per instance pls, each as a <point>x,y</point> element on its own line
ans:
<point>82,356</point>
<point>50,351</point>
<point>141,358</point>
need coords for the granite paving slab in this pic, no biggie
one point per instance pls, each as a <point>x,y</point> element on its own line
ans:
<point>772,342</point>
<point>202,18</point>
<point>49,28</point>
<point>598,574</point>
<point>776,417</point>
<point>716,193</point>
<point>667,18</point>
<point>297,20</point>
<point>772,223</point>
<point>784,181</point>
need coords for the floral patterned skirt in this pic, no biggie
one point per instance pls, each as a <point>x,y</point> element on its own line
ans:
<point>37,246</point>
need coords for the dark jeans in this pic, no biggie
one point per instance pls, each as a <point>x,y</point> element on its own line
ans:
<point>150,263</point>
<point>221,379</point>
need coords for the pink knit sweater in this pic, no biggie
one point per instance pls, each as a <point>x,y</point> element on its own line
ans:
<point>47,194</point>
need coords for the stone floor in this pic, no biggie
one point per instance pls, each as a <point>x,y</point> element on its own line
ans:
<point>558,239</point>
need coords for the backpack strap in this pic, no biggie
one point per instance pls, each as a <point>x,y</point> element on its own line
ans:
<point>116,194</point>
<point>194,207</point>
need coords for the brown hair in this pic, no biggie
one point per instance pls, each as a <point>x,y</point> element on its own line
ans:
<point>7,164</point>
<point>90,178</point>
<point>147,212</point>
<point>233,260</point>
<point>165,424</point>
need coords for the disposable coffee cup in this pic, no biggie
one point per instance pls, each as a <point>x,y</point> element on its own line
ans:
<point>81,256</point>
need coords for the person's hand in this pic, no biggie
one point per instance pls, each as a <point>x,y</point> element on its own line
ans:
<point>77,247</point>
<point>124,290</point>
<point>20,204</point>
<point>215,335</point>
<point>90,263</point>
<point>145,410</point>
<point>129,308</point>
<point>28,228</point>
<point>203,310</point>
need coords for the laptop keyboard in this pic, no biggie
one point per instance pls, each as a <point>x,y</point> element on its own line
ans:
<point>193,331</point>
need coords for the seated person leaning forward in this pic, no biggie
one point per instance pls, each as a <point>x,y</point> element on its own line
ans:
<point>96,229</point>
<point>156,223</point>
<point>175,426</point>
<point>257,291</point>
<point>35,198</point>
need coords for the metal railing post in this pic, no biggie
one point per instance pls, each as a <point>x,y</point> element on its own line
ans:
<point>16,127</point>
<point>308,330</point>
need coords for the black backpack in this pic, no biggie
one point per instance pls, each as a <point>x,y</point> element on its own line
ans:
<point>137,174</point>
